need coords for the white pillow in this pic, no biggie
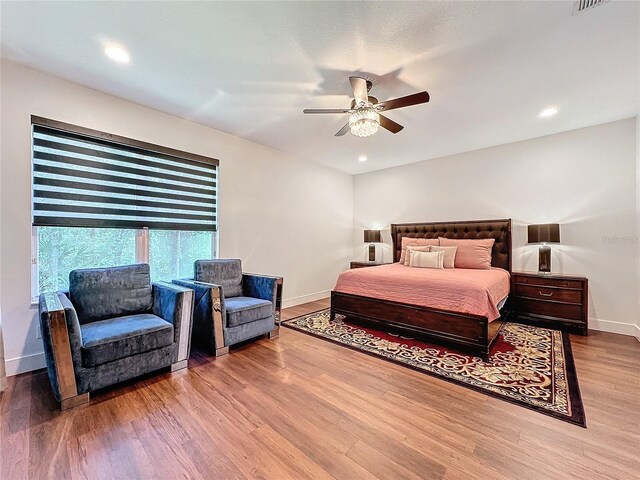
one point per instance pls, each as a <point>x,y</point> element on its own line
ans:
<point>449,255</point>
<point>426,259</point>
<point>415,248</point>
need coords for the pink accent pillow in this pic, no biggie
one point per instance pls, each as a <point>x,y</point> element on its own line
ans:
<point>406,241</point>
<point>471,253</point>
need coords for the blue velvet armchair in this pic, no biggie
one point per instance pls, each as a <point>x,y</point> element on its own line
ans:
<point>112,325</point>
<point>231,306</point>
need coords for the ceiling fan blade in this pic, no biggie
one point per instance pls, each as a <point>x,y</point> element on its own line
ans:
<point>415,99</point>
<point>342,131</point>
<point>390,125</point>
<point>359,87</point>
<point>326,110</point>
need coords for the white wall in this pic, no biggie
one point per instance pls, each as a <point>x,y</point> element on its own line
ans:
<point>583,179</point>
<point>280,214</point>
<point>637,331</point>
<point>290,217</point>
<point>3,379</point>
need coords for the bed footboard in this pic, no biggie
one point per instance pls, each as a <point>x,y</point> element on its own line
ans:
<point>466,332</point>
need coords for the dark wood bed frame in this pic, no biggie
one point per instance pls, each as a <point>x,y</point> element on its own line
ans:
<point>470,333</point>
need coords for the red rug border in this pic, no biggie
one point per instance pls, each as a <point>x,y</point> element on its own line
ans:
<point>577,408</point>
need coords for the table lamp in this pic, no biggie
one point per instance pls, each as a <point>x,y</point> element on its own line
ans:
<point>543,234</point>
<point>371,237</point>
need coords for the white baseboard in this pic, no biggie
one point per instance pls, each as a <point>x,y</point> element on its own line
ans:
<point>613,327</point>
<point>14,366</point>
<point>292,302</point>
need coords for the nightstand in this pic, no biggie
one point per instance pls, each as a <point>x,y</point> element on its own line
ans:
<point>550,300</point>
<point>367,264</point>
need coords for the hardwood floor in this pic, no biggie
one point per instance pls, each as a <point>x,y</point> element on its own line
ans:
<point>299,407</point>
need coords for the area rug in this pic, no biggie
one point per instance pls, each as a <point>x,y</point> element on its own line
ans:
<point>528,366</point>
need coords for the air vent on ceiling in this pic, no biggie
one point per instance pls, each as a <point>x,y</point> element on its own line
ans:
<point>582,5</point>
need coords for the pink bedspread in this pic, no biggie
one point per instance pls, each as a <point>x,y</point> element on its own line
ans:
<point>455,289</point>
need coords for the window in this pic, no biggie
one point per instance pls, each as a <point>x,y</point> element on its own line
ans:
<point>101,200</point>
<point>172,252</point>
<point>62,249</point>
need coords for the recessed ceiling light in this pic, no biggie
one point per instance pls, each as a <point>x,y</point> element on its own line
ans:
<point>548,112</point>
<point>362,158</point>
<point>117,53</point>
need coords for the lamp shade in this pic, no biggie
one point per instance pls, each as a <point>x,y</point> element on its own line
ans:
<point>544,233</point>
<point>372,236</point>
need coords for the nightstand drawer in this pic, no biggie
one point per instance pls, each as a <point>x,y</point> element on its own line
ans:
<point>549,309</point>
<point>550,301</point>
<point>545,293</point>
<point>548,281</point>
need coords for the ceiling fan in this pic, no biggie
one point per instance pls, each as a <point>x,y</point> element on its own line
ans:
<point>365,117</point>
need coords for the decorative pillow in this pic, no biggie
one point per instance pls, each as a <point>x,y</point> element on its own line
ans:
<point>421,242</point>
<point>449,255</point>
<point>414,248</point>
<point>474,254</point>
<point>425,259</point>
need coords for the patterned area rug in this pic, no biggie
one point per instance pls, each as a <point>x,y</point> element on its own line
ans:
<point>529,366</point>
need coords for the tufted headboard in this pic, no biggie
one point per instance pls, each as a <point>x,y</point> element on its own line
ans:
<point>498,229</point>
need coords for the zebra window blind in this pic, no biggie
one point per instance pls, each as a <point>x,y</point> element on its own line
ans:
<point>85,178</point>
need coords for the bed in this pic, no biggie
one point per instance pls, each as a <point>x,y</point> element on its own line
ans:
<point>462,311</point>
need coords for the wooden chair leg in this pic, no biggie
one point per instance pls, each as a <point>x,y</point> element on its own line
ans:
<point>62,356</point>
<point>73,402</point>
<point>222,351</point>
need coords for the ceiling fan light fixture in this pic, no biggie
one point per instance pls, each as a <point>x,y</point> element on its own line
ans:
<point>364,122</point>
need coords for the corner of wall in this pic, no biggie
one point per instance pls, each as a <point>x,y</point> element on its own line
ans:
<point>637,329</point>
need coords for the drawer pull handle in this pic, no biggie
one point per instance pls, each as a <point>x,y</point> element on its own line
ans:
<point>545,294</point>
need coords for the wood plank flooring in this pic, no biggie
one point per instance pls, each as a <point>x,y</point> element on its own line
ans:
<point>300,407</point>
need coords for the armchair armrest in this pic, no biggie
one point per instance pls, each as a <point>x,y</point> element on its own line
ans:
<point>174,304</point>
<point>61,340</point>
<point>265,287</point>
<point>209,314</point>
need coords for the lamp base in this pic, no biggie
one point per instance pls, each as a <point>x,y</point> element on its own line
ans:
<point>372,252</point>
<point>544,259</point>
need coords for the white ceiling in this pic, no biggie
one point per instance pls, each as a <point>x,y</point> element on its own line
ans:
<point>250,68</point>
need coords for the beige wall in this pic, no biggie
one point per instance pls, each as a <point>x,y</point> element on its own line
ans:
<point>280,214</point>
<point>583,179</point>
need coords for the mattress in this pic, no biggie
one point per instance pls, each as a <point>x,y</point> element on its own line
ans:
<point>477,292</point>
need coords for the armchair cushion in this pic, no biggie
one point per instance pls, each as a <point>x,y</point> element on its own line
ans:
<point>115,338</point>
<point>101,293</point>
<point>241,310</point>
<point>225,272</point>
